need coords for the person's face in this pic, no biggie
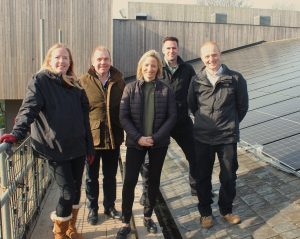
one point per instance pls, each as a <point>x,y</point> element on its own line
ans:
<point>149,68</point>
<point>101,62</point>
<point>60,60</point>
<point>211,57</point>
<point>170,51</point>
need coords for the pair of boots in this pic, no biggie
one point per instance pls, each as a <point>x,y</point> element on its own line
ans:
<point>64,227</point>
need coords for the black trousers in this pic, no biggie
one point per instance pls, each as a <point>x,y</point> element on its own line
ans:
<point>109,172</point>
<point>205,158</point>
<point>68,176</point>
<point>182,133</point>
<point>134,160</point>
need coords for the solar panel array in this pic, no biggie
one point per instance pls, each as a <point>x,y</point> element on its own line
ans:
<point>272,71</point>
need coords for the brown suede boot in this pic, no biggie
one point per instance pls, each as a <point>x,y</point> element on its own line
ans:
<point>72,231</point>
<point>60,225</point>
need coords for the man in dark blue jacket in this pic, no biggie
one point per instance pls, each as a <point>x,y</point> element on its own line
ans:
<point>218,99</point>
<point>177,74</point>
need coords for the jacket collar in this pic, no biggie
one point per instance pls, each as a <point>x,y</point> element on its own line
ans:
<point>179,62</point>
<point>202,76</point>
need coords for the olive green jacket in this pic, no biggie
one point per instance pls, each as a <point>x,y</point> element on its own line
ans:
<point>104,103</point>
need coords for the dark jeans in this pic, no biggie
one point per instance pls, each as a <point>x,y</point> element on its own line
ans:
<point>134,160</point>
<point>182,133</point>
<point>109,172</point>
<point>205,158</point>
<point>68,176</point>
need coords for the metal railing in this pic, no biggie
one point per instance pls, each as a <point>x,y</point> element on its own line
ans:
<point>24,180</point>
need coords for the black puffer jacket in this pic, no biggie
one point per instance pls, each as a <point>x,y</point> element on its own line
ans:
<point>218,109</point>
<point>179,82</point>
<point>131,113</point>
<point>59,118</point>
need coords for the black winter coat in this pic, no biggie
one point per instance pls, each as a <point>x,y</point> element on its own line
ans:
<point>131,113</point>
<point>59,118</point>
<point>179,82</point>
<point>218,109</point>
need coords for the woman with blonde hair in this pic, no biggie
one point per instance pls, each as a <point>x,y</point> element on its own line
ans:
<point>57,109</point>
<point>147,114</point>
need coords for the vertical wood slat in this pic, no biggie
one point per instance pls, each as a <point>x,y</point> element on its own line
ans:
<point>84,25</point>
<point>201,13</point>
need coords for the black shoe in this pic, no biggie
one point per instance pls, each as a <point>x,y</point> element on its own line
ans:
<point>123,232</point>
<point>112,212</point>
<point>92,217</point>
<point>150,225</point>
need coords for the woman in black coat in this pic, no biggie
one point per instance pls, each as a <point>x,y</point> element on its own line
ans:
<point>57,109</point>
<point>147,114</point>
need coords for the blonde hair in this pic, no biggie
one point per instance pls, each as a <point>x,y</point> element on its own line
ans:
<point>46,62</point>
<point>150,53</point>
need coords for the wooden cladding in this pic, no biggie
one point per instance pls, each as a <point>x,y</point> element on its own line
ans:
<point>83,24</point>
<point>132,38</point>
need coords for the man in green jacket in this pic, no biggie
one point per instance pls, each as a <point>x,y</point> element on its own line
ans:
<point>104,86</point>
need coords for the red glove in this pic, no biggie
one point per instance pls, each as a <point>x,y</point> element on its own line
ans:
<point>8,138</point>
<point>90,159</point>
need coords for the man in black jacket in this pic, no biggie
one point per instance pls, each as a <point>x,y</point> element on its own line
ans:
<point>177,74</point>
<point>218,99</point>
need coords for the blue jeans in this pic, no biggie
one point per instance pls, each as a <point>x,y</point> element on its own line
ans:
<point>205,158</point>
<point>68,176</point>
<point>109,172</point>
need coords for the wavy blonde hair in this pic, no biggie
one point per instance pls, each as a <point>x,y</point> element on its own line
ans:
<point>46,62</point>
<point>150,53</point>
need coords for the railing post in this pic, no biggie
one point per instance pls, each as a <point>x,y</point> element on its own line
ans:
<point>4,184</point>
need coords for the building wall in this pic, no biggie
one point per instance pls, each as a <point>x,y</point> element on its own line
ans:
<point>132,38</point>
<point>84,25</point>
<point>201,13</point>
<point>122,5</point>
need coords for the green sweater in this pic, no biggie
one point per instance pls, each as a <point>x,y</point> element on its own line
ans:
<point>148,91</point>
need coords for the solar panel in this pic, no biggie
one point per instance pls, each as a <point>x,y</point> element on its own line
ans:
<point>254,117</point>
<point>282,108</point>
<point>276,77</point>
<point>269,131</point>
<point>287,151</point>
<point>268,100</point>
<point>293,117</point>
<point>256,94</point>
<point>278,86</point>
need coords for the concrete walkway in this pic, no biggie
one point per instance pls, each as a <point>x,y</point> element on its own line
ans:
<point>268,200</point>
<point>106,227</point>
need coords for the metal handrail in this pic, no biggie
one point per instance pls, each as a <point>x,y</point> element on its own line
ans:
<point>24,181</point>
<point>5,147</point>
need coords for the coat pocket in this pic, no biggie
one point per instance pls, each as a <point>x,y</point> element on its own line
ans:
<point>95,129</point>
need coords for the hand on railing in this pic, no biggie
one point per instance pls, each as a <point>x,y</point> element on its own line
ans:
<point>8,138</point>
